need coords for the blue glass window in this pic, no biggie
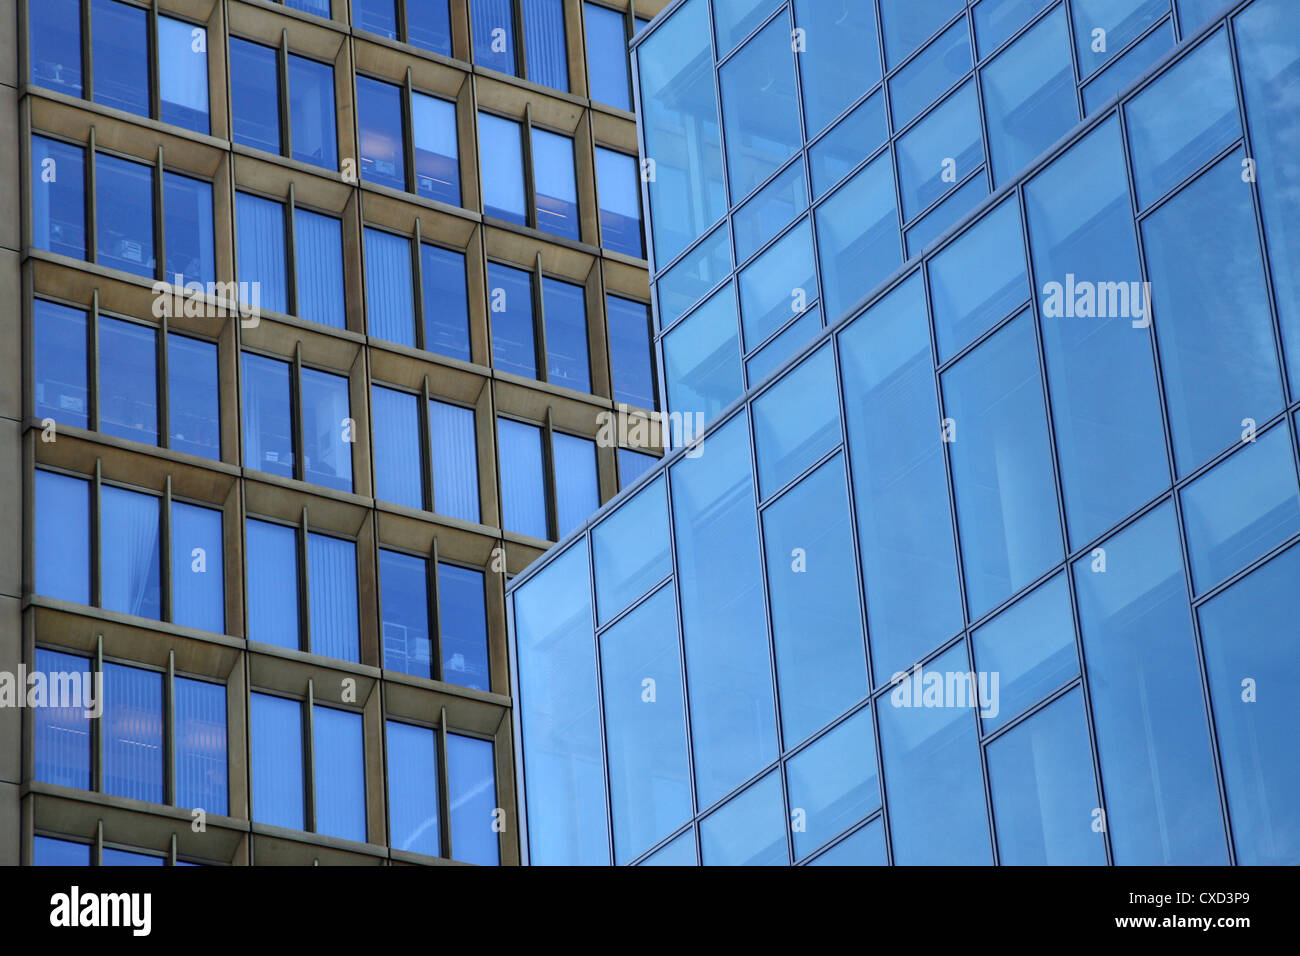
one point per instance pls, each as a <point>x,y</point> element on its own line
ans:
<point>428,26</point>
<point>47,851</point>
<point>446,301</point>
<point>565,308</point>
<point>619,193</point>
<point>853,139</point>
<point>762,217</point>
<point>376,16</point>
<point>272,583</point>
<point>276,758</point>
<point>629,352</point>
<point>554,185</point>
<point>702,359</point>
<point>995,20</point>
<point>501,168</point>
<point>1128,68</point>
<point>379,122</point>
<point>124,215</point>
<point>796,422</point>
<point>1044,795</point>
<point>821,663</point>
<point>187,206</point>
<point>110,856</point>
<point>327,430</point>
<point>1001,466</point>
<point>390,290</point>
<point>693,275</point>
<point>54,45</point>
<point>413,789</point>
<point>632,465</point>
<point>311,112</point>
<point>510,299</point>
<point>523,480</point>
<point>833,783</point>
<point>577,491</point>
<point>404,602</point>
<point>953,207</point>
<point>120,37</point>
<point>200,740</point>
<point>492,25</point>
<point>319,7</point>
<point>779,284</point>
<point>338,754</point>
<point>760,108</point>
<point>260,250</point>
<point>645,733</point>
<point>927,76</point>
<point>1104,27</point>
<point>455,460</point>
<point>679,852</point>
<point>58,197</point>
<point>749,830</point>
<point>255,95</point>
<point>133,732</point>
<point>736,19</point>
<point>544,49</point>
<point>462,620</point>
<point>318,262</point>
<point>939,151</point>
<point>128,380</point>
<point>395,430</point>
<point>780,347</point>
<point>845,60</point>
<point>61,732</point>
<point>607,64</point>
<point>1162,802</point>
<point>59,359</point>
<point>863,847</point>
<point>268,425</point>
<point>857,237</point>
<point>198,568</point>
<point>472,783</point>
<point>130,556</point>
<point>62,537</point>
<point>630,551</point>
<point>906,25</point>
<point>437,157</point>
<point>332,573</point>
<point>183,74</point>
<point>1193,14</point>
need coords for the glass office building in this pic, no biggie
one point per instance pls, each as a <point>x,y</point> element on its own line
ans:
<point>314,311</point>
<point>988,551</point>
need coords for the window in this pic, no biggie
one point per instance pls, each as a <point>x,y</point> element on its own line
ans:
<point>516,330</point>
<point>472,783</point>
<point>321,451</point>
<point>905,26</point>
<point>778,286</point>
<point>496,39</point>
<point>127,572</point>
<point>124,214</point>
<point>432,154</point>
<point>796,422</point>
<point>120,55</point>
<point>608,78</point>
<point>445,300</point>
<point>510,296</point>
<point>702,358</point>
<point>847,63</point>
<point>1121,21</point>
<point>834,782</point>
<point>260,247</point>
<point>564,311</point>
<point>577,491</point>
<point>55,45</point>
<point>770,211</point>
<point>630,351</point>
<point>852,140</point>
<point>749,830</point>
<point>437,157</point>
<point>338,757</point>
<point>277,558</point>
<point>426,309</point>
<point>59,190</point>
<point>135,734</point>
<point>187,207</point>
<point>553,205</point>
<point>947,143</point>
<point>762,128</point>
<point>47,851</point>
<point>630,551</point>
<point>931,73</point>
<point>276,761</point>
<point>857,237</point>
<point>632,465</point>
<point>303,126</point>
<point>318,267</point>
<point>411,606</point>
<point>529,498</point>
<point>618,190</point>
<point>554,185</point>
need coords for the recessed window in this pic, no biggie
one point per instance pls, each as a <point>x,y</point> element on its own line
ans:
<point>516,331</point>
<point>54,30</point>
<point>58,197</point>
<point>420,301</point>
<point>619,191</point>
<point>435,629</point>
<point>630,352</point>
<point>554,185</point>
<point>553,204</point>
<point>124,229</point>
<point>541,57</point>
<point>564,307</point>
<point>501,157</point>
<point>403,130</point>
<point>301,125</point>
<point>536,487</point>
<point>608,76</point>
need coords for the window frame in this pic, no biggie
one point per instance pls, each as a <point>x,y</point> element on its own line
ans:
<point>536,283</point>
<point>407,89</point>
<point>550,491</point>
<point>526,126</point>
<point>632,25</point>
<point>284,117</point>
<point>417,241</point>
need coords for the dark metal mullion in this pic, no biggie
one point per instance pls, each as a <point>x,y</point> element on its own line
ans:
<point>169,730</point>
<point>159,223</point>
<point>282,83</point>
<point>933,206</point>
<point>166,572</point>
<point>417,271</point>
<point>291,249</point>
<point>1075,65</point>
<point>517,33</point>
<point>1019,720</point>
<point>551,487</point>
<point>92,363</point>
<point>1175,191</point>
<point>410,182</point>
<point>96,518</point>
<point>403,29</point>
<point>92,207</point>
<point>444,785</point>
<point>542,354</point>
<point>152,48</point>
<point>1209,594</point>
<point>425,418</point>
<point>97,726</point>
<point>530,179</point>
<point>309,757</point>
<point>161,390</point>
<point>299,450</point>
<point>434,597</point>
<point>304,584</point>
<point>977,75</point>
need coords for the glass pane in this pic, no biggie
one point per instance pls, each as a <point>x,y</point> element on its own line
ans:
<point>748,831</point>
<point>995,20</point>
<point>413,789</point>
<point>390,290</point>
<point>1162,802</point>
<point>523,482</point>
<point>630,550</point>
<point>183,74</point>
<point>260,250</point>
<point>332,572</point>
<point>727,662</point>
<point>607,64</point>
<point>493,27</point>
<point>404,618</point>
<point>1025,653</point>
<point>780,284</point>
<point>319,7</point>
<point>254,95</point>
<point>953,207</point>
<point>272,582</point>
<point>565,307</point>
<point>1183,119</point>
<point>437,156</point>
<point>559,715</point>
<point>852,140</point>
<point>702,360</point>
<point>471,776</point>
<point>632,465</point>
<point>112,857</point>
<point>125,215</point>
<point>128,380</point>
<point>906,25</point>
<point>939,151</point>
<point>446,301</point>
<point>695,274</point>
<point>1194,14</point>
<point>833,784</point>
<point>275,753</point>
<point>1103,27</point>
<point>1093,313</point>
<point>770,210</point>
<point>846,63</point>
<point>200,744</point>
<point>1029,98</point>
<point>198,568</point>
<point>54,45</point>
<point>544,49</point>
<point>1255,716</point>
<point>58,197</point>
<point>577,492</point>
<point>455,460</point>
<point>775,353</point>
<point>978,279</point>
<point>645,734</point>
<point>187,206</point>
<point>796,422</point>
<point>462,617</point>
<point>311,112</point>
<point>318,249</point>
<point>554,184</point>
<point>61,732</point>
<point>59,363</point>
<point>1128,68</point>
<point>629,352</point>
<point>909,566</point>
<point>510,294</point>
<point>47,851</point>
<point>379,123</point>
<point>133,733</point>
<point>933,782</point>
<point>268,428</point>
<point>376,16</point>
<point>1241,508</point>
<point>864,847</point>
<point>501,168</point>
<point>679,116</point>
<point>936,69</point>
<point>857,237</point>
<point>1044,796</point>
<point>760,108</point>
<point>821,662</point>
<point>62,546</point>
<point>395,418</point>
<point>680,852</point>
<point>1001,466</point>
<point>121,55</point>
<point>735,19</point>
<point>327,430</point>
<point>193,399</point>
<point>428,26</point>
<point>130,568</point>
<point>619,192</point>
<point>338,754</point>
<point>1202,253</point>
